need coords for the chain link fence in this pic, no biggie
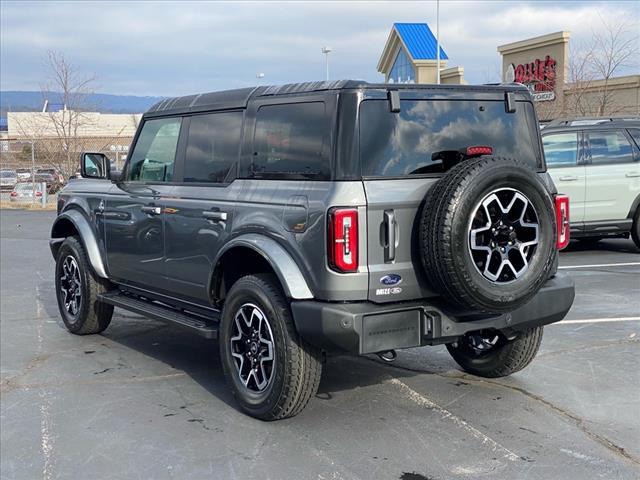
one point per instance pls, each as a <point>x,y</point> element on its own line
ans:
<point>49,161</point>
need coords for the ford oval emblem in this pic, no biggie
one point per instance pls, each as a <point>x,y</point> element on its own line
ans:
<point>391,279</point>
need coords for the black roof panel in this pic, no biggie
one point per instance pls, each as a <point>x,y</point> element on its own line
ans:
<point>238,98</point>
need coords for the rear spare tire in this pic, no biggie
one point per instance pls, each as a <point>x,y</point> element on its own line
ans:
<point>487,235</point>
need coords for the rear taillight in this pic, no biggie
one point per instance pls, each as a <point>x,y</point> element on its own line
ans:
<point>479,150</point>
<point>562,221</point>
<point>342,239</point>
<point>14,194</point>
<point>38,194</point>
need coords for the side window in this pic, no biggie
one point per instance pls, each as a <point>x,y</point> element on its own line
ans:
<point>155,151</point>
<point>609,147</point>
<point>212,146</point>
<point>561,149</point>
<point>290,142</point>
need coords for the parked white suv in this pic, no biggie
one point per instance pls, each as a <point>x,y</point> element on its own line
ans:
<point>596,162</point>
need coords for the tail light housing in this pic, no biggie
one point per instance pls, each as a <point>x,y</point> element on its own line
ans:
<point>14,193</point>
<point>342,239</point>
<point>562,221</point>
<point>38,194</point>
<point>477,150</point>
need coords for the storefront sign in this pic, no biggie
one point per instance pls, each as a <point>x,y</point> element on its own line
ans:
<point>539,76</point>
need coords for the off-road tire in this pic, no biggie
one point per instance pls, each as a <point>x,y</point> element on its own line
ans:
<point>444,235</point>
<point>507,357</point>
<point>297,364</point>
<point>635,228</point>
<point>93,316</point>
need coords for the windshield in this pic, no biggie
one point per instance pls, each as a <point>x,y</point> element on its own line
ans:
<point>26,187</point>
<point>427,136</point>
<point>6,174</point>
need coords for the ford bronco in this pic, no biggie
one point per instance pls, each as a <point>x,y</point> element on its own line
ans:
<point>293,221</point>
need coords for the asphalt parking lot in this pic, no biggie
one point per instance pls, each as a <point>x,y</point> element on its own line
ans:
<point>145,400</point>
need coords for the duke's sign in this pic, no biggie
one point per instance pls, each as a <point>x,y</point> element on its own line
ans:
<point>539,76</point>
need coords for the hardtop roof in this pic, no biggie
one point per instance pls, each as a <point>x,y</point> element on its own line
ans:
<point>238,98</point>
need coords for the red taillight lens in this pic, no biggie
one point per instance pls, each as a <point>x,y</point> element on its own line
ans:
<point>479,150</point>
<point>342,246</point>
<point>38,194</point>
<point>14,194</point>
<point>562,221</point>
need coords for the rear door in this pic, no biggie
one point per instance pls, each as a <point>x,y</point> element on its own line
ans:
<point>613,175</point>
<point>199,214</point>
<point>403,154</point>
<point>566,167</point>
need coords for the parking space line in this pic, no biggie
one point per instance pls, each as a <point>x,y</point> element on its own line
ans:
<point>598,320</point>
<point>445,414</point>
<point>623,264</point>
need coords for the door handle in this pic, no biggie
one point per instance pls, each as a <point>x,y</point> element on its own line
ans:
<point>568,178</point>
<point>214,215</point>
<point>150,210</point>
<point>390,224</point>
<point>632,174</point>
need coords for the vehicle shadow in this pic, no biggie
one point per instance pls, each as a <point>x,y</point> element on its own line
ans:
<point>613,245</point>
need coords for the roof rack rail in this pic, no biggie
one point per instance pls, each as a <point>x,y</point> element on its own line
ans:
<point>580,121</point>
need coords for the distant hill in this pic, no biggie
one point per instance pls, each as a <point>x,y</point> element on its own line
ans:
<point>19,101</point>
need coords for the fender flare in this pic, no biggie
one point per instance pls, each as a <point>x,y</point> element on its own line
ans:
<point>293,282</point>
<point>634,206</point>
<point>87,237</point>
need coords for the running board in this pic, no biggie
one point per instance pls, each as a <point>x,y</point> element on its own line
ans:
<point>207,328</point>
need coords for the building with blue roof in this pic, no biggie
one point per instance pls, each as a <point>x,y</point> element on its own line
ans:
<point>410,56</point>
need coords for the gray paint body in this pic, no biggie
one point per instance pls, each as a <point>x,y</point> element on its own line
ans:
<point>174,251</point>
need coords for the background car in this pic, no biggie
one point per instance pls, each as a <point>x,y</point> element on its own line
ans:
<point>8,179</point>
<point>51,177</point>
<point>24,174</point>
<point>26,192</point>
<point>596,162</point>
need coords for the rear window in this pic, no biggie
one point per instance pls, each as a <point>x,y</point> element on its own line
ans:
<point>425,135</point>
<point>291,142</point>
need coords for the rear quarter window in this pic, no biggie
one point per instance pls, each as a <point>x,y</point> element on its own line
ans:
<point>290,143</point>
<point>413,141</point>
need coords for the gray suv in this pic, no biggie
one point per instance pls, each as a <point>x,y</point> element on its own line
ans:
<point>293,221</point>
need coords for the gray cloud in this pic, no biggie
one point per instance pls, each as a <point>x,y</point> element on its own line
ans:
<point>173,48</point>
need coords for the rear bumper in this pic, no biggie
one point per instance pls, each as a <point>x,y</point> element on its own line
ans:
<point>365,327</point>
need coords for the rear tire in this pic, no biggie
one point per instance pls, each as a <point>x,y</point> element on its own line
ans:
<point>502,359</point>
<point>257,334</point>
<point>77,290</point>
<point>635,228</point>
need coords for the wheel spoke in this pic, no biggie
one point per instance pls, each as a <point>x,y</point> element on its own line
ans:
<point>252,347</point>
<point>503,234</point>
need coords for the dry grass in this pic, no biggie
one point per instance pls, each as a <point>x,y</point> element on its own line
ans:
<point>26,205</point>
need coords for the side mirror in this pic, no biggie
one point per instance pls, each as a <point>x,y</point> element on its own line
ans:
<point>94,165</point>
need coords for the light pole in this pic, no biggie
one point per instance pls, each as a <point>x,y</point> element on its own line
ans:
<point>33,173</point>
<point>438,42</point>
<point>326,51</point>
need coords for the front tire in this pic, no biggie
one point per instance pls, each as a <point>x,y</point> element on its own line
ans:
<point>491,355</point>
<point>272,372</point>
<point>77,290</point>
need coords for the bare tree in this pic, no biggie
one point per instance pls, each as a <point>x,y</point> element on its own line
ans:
<point>593,65</point>
<point>57,135</point>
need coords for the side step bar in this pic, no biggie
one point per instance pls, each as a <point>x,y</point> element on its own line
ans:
<point>207,328</point>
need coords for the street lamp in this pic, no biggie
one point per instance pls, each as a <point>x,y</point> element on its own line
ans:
<point>326,51</point>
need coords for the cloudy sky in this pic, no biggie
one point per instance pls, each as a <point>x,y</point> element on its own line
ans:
<point>175,48</point>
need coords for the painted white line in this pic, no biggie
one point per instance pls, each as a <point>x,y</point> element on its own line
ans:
<point>598,320</point>
<point>625,264</point>
<point>445,414</point>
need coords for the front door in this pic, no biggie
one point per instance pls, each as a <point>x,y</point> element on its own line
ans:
<point>133,210</point>
<point>199,214</point>
<point>612,176</point>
